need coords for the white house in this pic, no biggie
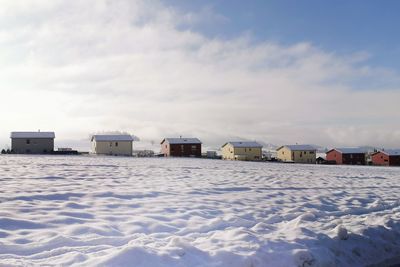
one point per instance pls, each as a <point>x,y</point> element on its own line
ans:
<point>117,144</point>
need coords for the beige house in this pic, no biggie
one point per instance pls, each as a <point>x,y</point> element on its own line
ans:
<point>297,154</point>
<point>242,150</point>
<point>32,142</point>
<point>116,145</point>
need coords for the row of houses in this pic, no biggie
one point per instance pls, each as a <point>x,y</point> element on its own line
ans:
<point>339,156</point>
<point>43,143</point>
<point>122,145</point>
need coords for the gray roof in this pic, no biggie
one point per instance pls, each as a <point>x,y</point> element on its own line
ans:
<point>181,140</point>
<point>299,147</point>
<point>350,150</point>
<point>391,152</point>
<point>111,137</point>
<point>244,144</point>
<point>32,135</point>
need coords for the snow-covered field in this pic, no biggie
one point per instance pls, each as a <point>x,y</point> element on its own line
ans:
<point>109,211</point>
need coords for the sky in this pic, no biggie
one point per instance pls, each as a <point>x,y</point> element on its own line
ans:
<point>280,72</point>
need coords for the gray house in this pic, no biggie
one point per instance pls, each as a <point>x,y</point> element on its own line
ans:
<point>32,142</point>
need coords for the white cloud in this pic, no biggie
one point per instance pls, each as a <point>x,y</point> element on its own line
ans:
<point>84,66</point>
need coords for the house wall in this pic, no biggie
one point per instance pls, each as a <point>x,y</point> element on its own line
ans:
<point>165,149</point>
<point>248,153</point>
<point>118,148</point>
<point>380,159</point>
<point>241,153</point>
<point>304,156</point>
<point>334,156</point>
<point>32,145</point>
<point>394,160</point>
<point>228,152</point>
<point>181,150</point>
<point>285,154</point>
<point>354,159</point>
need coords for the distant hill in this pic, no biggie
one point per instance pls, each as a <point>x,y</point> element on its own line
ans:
<point>268,146</point>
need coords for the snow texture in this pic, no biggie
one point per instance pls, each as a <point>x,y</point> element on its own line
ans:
<point>181,140</point>
<point>244,144</point>
<point>299,147</point>
<point>157,212</point>
<point>391,152</point>
<point>112,137</point>
<point>351,150</point>
<point>33,135</point>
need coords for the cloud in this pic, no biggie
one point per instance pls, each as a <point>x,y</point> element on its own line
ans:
<point>78,67</point>
<point>206,16</point>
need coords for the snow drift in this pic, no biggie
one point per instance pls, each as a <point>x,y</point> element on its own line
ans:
<point>109,211</point>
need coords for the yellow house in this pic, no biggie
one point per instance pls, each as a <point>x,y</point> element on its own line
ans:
<point>243,150</point>
<point>116,145</point>
<point>297,153</point>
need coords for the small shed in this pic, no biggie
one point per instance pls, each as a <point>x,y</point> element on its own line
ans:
<point>390,157</point>
<point>320,160</point>
<point>211,154</point>
<point>347,156</point>
<point>242,150</point>
<point>32,142</point>
<point>114,144</point>
<point>181,147</point>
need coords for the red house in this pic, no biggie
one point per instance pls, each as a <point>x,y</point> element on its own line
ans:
<point>386,157</point>
<point>348,156</point>
<point>181,147</point>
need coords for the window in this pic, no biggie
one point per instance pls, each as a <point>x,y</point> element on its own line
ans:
<point>28,141</point>
<point>249,149</point>
<point>311,152</point>
<point>305,152</point>
<point>110,144</point>
<point>116,143</point>
<point>194,147</point>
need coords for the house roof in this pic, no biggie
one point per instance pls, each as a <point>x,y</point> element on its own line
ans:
<point>391,152</point>
<point>299,147</point>
<point>349,150</point>
<point>243,144</point>
<point>32,135</point>
<point>181,140</point>
<point>111,137</point>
